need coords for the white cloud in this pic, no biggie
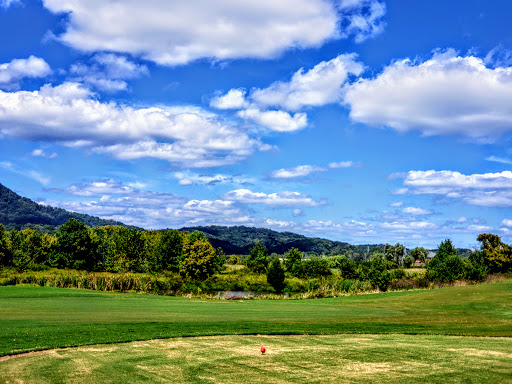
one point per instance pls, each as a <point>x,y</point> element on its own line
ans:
<point>462,219</point>
<point>416,211</point>
<point>344,164</point>
<point>479,228</point>
<point>190,178</point>
<point>365,21</point>
<point>500,160</point>
<point>319,86</point>
<point>30,173</point>
<point>447,94</point>
<point>177,32</point>
<point>234,99</point>
<point>69,114</point>
<point>11,73</point>
<point>278,121</point>
<point>7,3</point>
<point>107,72</point>
<point>506,223</point>
<point>41,153</point>
<point>396,204</point>
<point>488,189</point>
<point>273,199</point>
<point>299,171</point>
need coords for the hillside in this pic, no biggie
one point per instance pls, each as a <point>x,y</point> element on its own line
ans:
<point>240,239</point>
<point>19,212</point>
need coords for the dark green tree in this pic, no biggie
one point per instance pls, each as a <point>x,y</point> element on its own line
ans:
<point>258,259</point>
<point>446,265</point>
<point>408,261</point>
<point>75,248</point>
<point>170,250</point>
<point>292,257</point>
<point>378,275</point>
<point>275,275</point>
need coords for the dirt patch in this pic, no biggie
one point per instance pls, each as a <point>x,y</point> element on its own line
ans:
<point>481,353</point>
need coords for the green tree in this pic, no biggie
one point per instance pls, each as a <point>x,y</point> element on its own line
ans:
<point>170,250</point>
<point>408,261</point>
<point>199,260</point>
<point>497,255</point>
<point>446,264</point>
<point>75,248</point>
<point>5,248</point>
<point>378,275</point>
<point>394,253</point>
<point>292,257</point>
<point>275,275</point>
<point>258,259</point>
<point>419,253</point>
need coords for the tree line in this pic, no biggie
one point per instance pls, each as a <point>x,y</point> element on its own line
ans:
<point>190,254</point>
<point>110,249</point>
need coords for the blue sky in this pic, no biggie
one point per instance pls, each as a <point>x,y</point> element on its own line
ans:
<point>366,121</point>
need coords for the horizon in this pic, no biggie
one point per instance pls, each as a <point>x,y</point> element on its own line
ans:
<point>360,121</point>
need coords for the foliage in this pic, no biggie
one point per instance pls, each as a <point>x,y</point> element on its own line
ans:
<point>234,260</point>
<point>394,253</point>
<point>419,253</point>
<point>347,267</point>
<point>292,257</point>
<point>275,275</point>
<point>258,259</point>
<point>378,274</point>
<point>497,255</point>
<point>5,248</point>
<point>446,265</point>
<point>408,261</point>
<point>312,267</point>
<point>199,261</point>
<point>169,251</point>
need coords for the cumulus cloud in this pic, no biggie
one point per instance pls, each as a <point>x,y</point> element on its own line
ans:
<point>279,121</point>
<point>234,99</point>
<point>445,95</point>
<point>488,189</point>
<point>174,32</point>
<point>69,114</point>
<point>107,72</point>
<point>319,86</point>
<point>246,196</point>
<point>296,172</point>
<point>13,72</point>
<point>362,18</point>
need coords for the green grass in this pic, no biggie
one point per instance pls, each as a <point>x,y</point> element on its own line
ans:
<point>34,318</point>
<point>289,359</point>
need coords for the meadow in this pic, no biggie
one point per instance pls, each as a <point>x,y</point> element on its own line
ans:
<point>409,334</point>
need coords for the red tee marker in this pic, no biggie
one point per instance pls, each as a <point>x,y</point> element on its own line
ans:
<point>262,349</point>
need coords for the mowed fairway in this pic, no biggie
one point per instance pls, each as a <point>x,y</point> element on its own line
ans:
<point>289,359</point>
<point>405,337</point>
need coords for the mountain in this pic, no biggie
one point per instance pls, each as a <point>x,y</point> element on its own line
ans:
<point>240,239</point>
<point>19,212</point>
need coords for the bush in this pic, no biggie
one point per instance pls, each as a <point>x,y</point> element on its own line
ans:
<point>199,261</point>
<point>275,275</point>
<point>378,275</point>
<point>313,267</point>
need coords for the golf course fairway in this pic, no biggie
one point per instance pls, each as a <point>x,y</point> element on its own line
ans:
<point>455,334</point>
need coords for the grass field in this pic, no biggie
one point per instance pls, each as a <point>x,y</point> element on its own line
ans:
<point>289,359</point>
<point>411,326</point>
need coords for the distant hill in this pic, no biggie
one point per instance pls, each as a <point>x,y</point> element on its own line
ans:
<point>240,239</point>
<point>19,212</point>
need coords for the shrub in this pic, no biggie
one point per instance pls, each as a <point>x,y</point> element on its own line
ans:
<point>275,275</point>
<point>378,275</point>
<point>313,267</point>
<point>199,260</point>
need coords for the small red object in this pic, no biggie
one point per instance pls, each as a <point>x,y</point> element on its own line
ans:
<point>262,349</point>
